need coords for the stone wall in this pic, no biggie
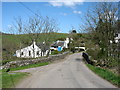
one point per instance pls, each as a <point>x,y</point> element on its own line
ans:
<point>20,63</point>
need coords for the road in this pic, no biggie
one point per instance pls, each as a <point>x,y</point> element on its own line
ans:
<point>68,73</point>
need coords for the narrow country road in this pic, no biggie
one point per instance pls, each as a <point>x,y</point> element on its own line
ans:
<point>69,73</point>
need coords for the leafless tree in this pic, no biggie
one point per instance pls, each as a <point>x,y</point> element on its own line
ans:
<point>37,25</point>
<point>50,26</point>
<point>14,30</point>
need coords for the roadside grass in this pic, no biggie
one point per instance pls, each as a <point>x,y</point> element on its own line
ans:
<point>0,78</point>
<point>9,80</point>
<point>29,66</point>
<point>106,74</point>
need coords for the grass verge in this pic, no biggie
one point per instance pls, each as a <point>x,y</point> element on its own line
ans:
<point>9,80</point>
<point>106,74</point>
<point>29,66</point>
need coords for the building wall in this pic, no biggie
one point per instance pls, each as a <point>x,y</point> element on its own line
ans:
<point>66,42</point>
<point>29,52</point>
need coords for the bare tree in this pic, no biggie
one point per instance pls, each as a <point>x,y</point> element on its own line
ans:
<point>35,25</point>
<point>50,27</point>
<point>15,30</point>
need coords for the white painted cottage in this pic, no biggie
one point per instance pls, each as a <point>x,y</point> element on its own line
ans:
<point>62,44</point>
<point>117,38</point>
<point>33,51</point>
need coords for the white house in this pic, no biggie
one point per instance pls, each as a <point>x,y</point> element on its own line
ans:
<point>66,43</point>
<point>117,38</point>
<point>80,48</point>
<point>62,44</point>
<point>32,51</point>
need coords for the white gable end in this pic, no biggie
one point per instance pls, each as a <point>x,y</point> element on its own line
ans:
<point>31,51</point>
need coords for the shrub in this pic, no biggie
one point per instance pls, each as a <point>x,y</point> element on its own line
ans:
<point>93,53</point>
<point>55,52</point>
<point>5,61</point>
<point>76,36</point>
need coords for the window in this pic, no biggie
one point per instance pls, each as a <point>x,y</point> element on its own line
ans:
<point>29,53</point>
<point>116,35</point>
<point>37,52</point>
<point>21,53</point>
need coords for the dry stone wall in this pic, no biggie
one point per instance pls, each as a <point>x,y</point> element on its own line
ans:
<point>20,63</point>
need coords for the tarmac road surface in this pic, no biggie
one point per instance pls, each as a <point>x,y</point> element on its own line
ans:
<point>68,73</point>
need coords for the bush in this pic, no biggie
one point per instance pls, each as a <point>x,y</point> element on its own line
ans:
<point>3,62</point>
<point>101,54</point>
<point>112,62</point>
<point>93,53</point>
<point>76,36</point>
<point>72,50</point>
<point>55,52</point>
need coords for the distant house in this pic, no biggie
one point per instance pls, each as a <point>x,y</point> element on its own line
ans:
<point>117,38</point>
<point>62,44</point>
<point>33,51</point>
<point>80,48</point>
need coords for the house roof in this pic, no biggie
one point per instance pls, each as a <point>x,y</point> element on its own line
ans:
<point>61,43</point>
<point>42,46</point>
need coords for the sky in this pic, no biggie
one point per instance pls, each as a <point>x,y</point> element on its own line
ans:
<point>67,14</point>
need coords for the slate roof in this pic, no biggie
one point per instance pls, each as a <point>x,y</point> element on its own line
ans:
<point>61,43</point>
<point>43,47</point>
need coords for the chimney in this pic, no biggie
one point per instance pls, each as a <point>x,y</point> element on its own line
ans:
<point>34,43</point>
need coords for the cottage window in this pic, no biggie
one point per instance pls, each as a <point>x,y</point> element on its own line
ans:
<point>21,53</point>
<point>29,53</point>
<point>116,35</point>
<point>55,46</point>
<point>37,52</point>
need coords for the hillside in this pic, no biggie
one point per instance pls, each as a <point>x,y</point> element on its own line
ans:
<point>11,43</point>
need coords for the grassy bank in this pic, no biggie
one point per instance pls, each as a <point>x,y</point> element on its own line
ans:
<point>29,66</point>
<point>106,74</point>
<point>9,80</point>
